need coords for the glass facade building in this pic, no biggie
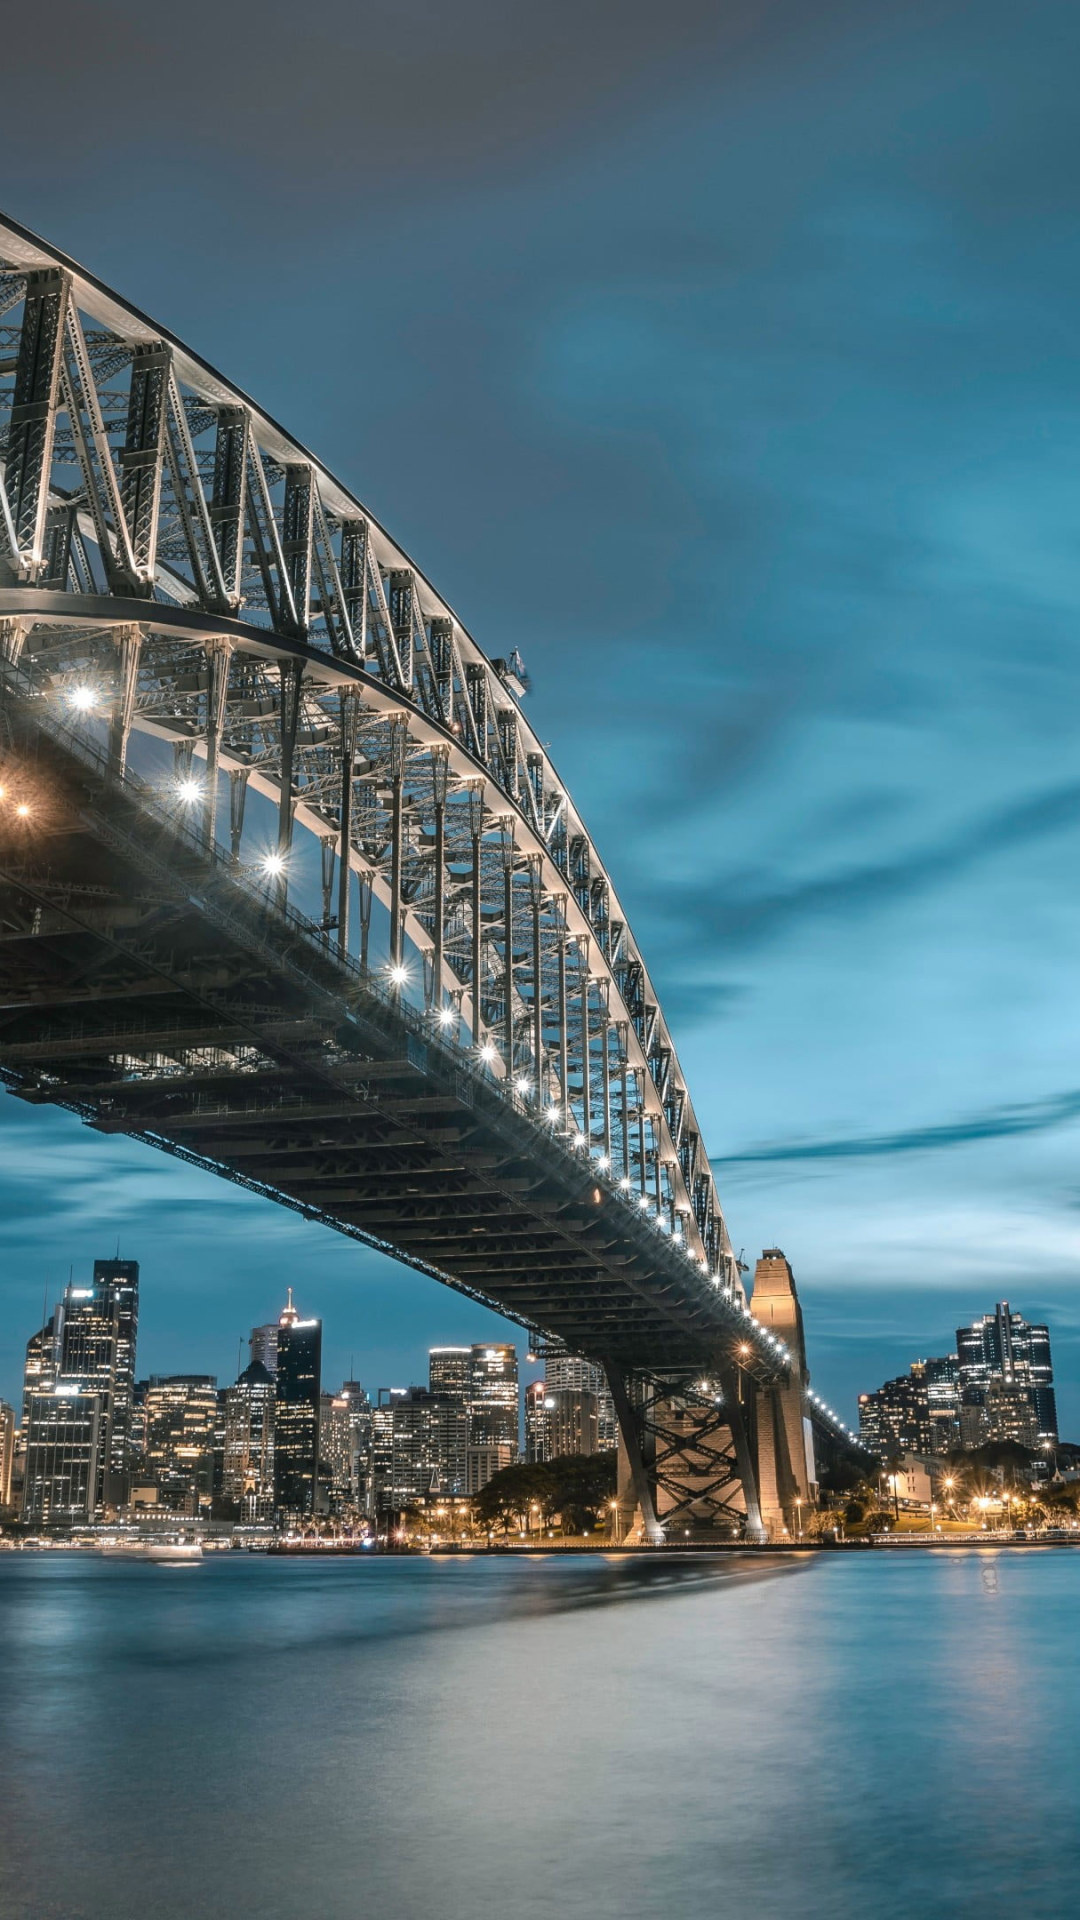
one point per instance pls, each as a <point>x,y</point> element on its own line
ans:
<point>296,1413</point>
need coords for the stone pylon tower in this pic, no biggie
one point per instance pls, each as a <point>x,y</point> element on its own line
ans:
<point>785,1448</point>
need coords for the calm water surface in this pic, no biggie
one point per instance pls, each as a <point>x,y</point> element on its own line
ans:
<point>877,1736</point>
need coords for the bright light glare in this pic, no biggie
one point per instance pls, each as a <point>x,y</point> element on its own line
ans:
<point>643,1200</point>
<point>399,975</point>
<point>273,863</point>
<point>625,1184</point>
<point>83,699</point>
<point>487,1054</point>
<point>604,1162</point>
<point>22,810</point>
<point>189,791</point>
<point>521,1085</point>
<point>446,1016</point>
<point>579,1139</point>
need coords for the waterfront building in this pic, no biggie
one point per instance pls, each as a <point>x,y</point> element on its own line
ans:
<point>7,1454</point>
<point>62,1461</point>
<point>1002,1347</point>
<point>430,1440</point>
<point>248,1476</point>
<point>181,1415</point>
<point>296,1412</point>
<point>494,1415</point>
<point>566,1372</point>
<point>537,1448</point>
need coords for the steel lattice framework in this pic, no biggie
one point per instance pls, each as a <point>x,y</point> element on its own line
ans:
<point>174,565</point>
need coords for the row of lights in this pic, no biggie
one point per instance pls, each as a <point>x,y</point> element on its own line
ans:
<point>523,1086</point>
<point>820,1403</point>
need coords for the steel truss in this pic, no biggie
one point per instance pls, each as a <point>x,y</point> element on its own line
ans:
<point>167,546</point>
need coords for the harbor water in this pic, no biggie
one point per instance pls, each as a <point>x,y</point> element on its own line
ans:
<point>837,1736</point>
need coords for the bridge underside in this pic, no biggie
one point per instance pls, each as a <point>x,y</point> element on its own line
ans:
<point>145,988</point>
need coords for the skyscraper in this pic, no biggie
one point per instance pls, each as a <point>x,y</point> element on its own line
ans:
<point>95,1329</point>
<point>568,1373</point>
<point>39,1371</point>
<point>537,1444</point>
<point>62,1463</point>
<point>7,1453</point>
<point>430,1439</point>
<point>249,1444</point>
<point>118,1282</point>
<point>493,1396</point>
<point>262,1343</point>
<point>296,1412</point>
<point>450,1371</point>
<point>1003,1347</point>
<point>181,1411</point>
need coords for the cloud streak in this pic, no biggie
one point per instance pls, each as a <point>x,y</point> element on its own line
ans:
<point>1036,1116</point>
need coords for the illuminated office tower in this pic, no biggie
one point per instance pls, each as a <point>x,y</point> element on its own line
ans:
<point>382,1448</point>
<point>296,1413</point>
<point>493,1397</point>
<point>117,1282</point>
<point>94,1331</point>
<point>181,1413</point>
<point>450,1371</point>
<point>7,1453</point>
<point>248,1476</point>
<point>568,1373</point>
<point>345,1447</point>
<point>430,1442</point>
<point>1002,1347</point>
<point>39,1371</point>
<point>537,1448</point>
<point>573,1422</point>
<point>62,1462</point>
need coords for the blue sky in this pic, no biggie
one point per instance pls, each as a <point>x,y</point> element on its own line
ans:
<point>726,363</point>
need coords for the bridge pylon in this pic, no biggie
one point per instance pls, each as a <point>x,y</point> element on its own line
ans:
<point>719,1455</point>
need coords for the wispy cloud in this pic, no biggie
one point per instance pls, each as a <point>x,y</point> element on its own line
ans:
<point>1035,1116</point>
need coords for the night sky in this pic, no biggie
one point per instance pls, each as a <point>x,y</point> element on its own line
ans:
<point>724,359</point>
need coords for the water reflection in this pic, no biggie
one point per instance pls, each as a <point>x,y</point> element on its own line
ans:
<point>607,1738</point>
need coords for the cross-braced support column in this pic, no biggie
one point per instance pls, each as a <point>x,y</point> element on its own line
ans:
<point>631,1436</point>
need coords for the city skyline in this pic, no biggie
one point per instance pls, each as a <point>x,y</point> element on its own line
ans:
<point>409,1365</point>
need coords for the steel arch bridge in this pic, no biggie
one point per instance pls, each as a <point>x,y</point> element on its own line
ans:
<point>464,1061</point>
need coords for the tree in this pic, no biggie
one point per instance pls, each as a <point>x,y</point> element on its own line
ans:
<point>577,1487</point>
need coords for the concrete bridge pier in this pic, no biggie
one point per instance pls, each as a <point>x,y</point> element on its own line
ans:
<point>785,1448</point>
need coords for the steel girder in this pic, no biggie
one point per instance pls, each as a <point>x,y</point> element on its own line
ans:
<point>169,554</point>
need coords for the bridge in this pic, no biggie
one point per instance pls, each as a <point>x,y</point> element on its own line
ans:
<point>289,889</point>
